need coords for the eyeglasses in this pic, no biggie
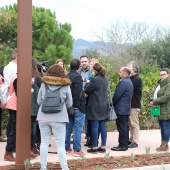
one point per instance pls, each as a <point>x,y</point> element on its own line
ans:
<point>163,74</point>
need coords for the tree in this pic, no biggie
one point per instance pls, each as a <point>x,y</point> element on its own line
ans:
<point>50,40</point>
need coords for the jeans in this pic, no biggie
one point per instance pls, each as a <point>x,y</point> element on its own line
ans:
<point>75,123</point>
<point>96,127</point>
<point>165,129</point>
<point>59,131</point>
<point>123,129</point>
<point>11,131</point>
<point>34,126</point>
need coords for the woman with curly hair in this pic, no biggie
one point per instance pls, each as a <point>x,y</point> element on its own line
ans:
<point>55,78</point>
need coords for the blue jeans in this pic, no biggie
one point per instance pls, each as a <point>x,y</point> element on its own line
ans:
<point>76,123</point>
<point>59,130</point>
<point>165,129</point>
<point>96,127</point>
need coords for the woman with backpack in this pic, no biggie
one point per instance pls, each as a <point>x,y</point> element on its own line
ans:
<point>54,119</point>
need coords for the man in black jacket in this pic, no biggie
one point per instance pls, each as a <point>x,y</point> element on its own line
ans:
<point>135,105</point>
<point>77,121</point>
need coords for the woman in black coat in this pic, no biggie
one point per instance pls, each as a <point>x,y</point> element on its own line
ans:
<point>97,108</point>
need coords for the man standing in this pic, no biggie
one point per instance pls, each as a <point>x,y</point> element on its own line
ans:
<point>85,74</point>
<point>77,121</point>
<point>10,70</point>
<point>85,69</point>
<point>135,105</point>
<point>122,104</point>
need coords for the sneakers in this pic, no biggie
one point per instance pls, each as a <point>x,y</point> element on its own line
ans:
<point>69,150</point>
<point>93,151</point>
<point>78,153</point>
<point>101,150</point>
<point>133,145</point>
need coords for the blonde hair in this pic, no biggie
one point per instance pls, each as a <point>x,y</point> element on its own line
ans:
<point>94,60</point>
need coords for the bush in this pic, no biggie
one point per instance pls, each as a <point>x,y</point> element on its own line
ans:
<point>150,77</point>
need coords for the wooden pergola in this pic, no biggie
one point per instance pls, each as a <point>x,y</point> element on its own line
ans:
<point>24,46</point>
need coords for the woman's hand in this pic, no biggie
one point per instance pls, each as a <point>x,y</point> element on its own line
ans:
<point>152,104</point>
<point>85,94</point>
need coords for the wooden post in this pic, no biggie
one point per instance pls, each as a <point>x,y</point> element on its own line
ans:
<point>24,46</point>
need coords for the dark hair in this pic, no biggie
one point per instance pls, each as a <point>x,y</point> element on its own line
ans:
<point>75,64</point>
<point>35,71</point>
<point>1,70</point>
<point>165,69</point>
<point>56,71</point>
<point>13,55</point>
<point>134,65</point>
<point>83,56</point>
<point>99,68</point>
<point>125,69</point>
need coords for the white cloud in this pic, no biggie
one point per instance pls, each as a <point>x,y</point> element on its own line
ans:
<point>88,16</point>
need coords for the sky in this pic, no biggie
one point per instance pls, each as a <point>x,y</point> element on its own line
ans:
<point>88,17</point>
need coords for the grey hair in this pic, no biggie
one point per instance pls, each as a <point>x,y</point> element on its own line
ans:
<point>134,65</point>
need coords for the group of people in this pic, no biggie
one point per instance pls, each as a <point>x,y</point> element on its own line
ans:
<point>84,88</point>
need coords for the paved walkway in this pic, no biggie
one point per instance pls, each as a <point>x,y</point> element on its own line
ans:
<point>149,138</point>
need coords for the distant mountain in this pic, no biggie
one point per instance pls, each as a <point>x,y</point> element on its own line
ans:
<point>81,45</point>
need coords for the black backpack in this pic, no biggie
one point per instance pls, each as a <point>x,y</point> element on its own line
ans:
<point>52,102</point>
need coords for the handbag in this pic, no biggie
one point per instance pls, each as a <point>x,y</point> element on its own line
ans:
<point>112,114</point>
<point>155,111</point>
<point>70,111</point>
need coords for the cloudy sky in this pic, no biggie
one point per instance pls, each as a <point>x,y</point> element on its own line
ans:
<point>91,16</point>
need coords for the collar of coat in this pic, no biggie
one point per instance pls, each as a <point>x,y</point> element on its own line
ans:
<point>164,82</point>
<point>59,81</point>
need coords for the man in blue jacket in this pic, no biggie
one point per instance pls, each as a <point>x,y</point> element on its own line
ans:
<point>122,105</point>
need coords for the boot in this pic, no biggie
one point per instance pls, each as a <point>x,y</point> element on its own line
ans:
<point>33,155</point>
<point>163,147</point>
<point>9,157</point>
<point>88,142</point>
<point>3,139</point>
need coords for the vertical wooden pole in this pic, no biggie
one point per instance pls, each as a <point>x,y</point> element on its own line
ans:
<point>24,46</point>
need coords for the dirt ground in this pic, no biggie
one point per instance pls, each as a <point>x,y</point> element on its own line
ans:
<point>105,163</point>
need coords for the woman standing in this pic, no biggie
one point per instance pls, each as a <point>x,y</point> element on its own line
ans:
<point>34,106</point>
<point>56,122</point>
<point>163,99</point>
<point>97,108</point>
<point>60,62</point>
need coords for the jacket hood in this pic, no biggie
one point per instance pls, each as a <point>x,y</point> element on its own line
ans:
<point>59,81</point>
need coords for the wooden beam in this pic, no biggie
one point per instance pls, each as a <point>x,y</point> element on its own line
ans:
<point>24,46</point>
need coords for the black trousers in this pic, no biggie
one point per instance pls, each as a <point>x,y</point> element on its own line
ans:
<point>34,127</point>
<point>122,123</point>
<point>11,131</point>
<point>0,121</point>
